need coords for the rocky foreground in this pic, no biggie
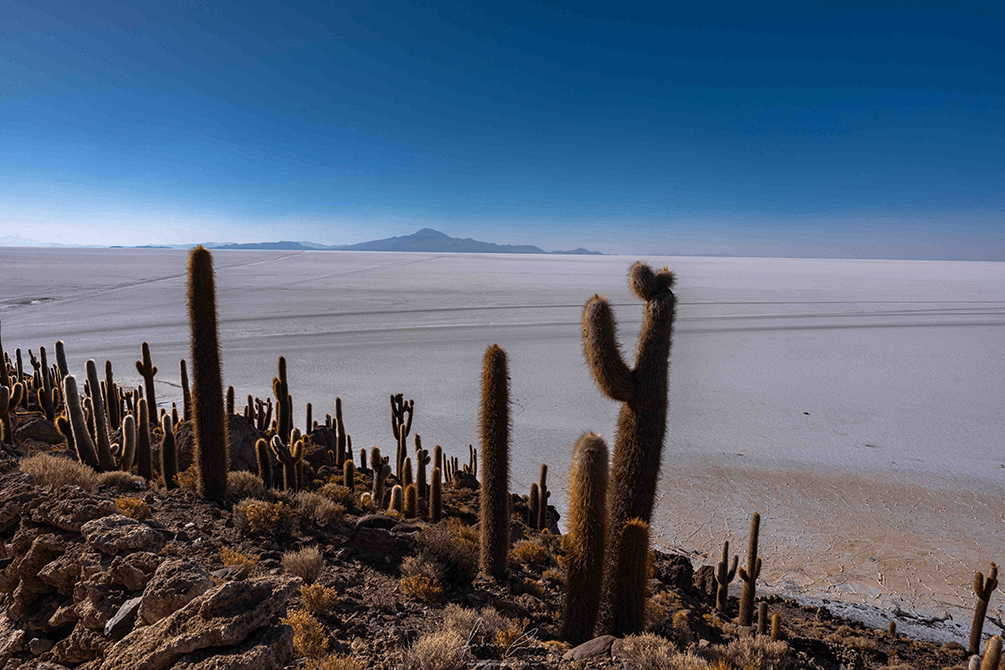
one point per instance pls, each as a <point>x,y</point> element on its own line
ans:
<point>105,571</point>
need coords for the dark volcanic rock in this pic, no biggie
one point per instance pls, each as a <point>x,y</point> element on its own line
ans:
<point>241,438</point>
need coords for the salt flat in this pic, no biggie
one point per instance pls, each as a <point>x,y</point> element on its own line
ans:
<point>855,404</point>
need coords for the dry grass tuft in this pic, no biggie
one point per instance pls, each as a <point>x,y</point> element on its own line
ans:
<point>757,652</point>
<point>318,509</point>
<point>441,650</point>
<point>308,563</point>
<point>334,662</point>
<point>134,508</point>
<point>187,479</point>
<point>423,588</point>
<point>243,484</point>
<point>231,557</point>
<point>339,493</point>
<point>54,471</point>
<point>452,545</point>
<point>309,637</point>
<point>318,599</point>
<point>122,481</point>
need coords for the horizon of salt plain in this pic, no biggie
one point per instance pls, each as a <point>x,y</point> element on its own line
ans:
<point>840,366</point>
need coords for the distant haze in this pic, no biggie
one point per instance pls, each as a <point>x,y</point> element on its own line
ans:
<point>726,130</point>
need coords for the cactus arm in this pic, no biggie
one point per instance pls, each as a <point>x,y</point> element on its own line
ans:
<point>603,354</point>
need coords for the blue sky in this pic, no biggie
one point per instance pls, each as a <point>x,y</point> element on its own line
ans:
<point>725,130</point>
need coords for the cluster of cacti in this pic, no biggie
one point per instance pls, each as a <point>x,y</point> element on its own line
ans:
<point>494,497</point>
<point>983,588</point>
<point>638,444</point>
<point>401,425</point>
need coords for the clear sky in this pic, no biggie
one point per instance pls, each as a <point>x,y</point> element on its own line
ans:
<point>621,128</point>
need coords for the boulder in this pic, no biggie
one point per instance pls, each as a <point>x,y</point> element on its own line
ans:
<point>241,438</point>
<point>267,649</point>
<point>674,570</point>
<point>38,428</point>
<point>175,583</point>
<point>70,507</point>
<point>17,491</point>
<point>83,644</point>
<point>124,620</point>
<point>224,617</point>
<point>119,533</point>
<point>598,646</point>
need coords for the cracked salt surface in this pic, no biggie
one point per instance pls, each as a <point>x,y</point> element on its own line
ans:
<point>855,404</point>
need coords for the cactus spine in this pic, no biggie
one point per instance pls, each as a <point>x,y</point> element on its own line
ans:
<point>147,370</point>
<point>642,390</point>
<point>169,454</point>
<point>630,577</point>
<point>587,533</point>
<point>210,422</point>
<point>435,497</point>
<point>983,590</point>
<point>81,436</point>
<point>724,574</point>
<point>494,497</point>
<point>104,447</point>
<point>750,574</point>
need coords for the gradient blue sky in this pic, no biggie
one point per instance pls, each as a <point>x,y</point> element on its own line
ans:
<point>622,128</point>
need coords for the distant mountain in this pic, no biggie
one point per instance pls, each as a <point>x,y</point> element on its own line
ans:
<point>431,240</point>
<point>271,246</point>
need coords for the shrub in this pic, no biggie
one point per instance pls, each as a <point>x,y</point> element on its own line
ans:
<point>231,557</point>
<point>256,516</point>
<point>186,479</point>
<point>309,637</point>
<point>318,599</point>
<point>422,587</point>
<point>134,508</point>
<point>306,563</point>
<point>441,650</point>
<point>418,566</point>
<point>756,652</point>
<point>339,494</point>
<point>452,545</point>
<point>54,471</point>
<point>514,637</point>
<point>123,481</point>
<point>318,509</point>
<point>334,662</point>
<point>530,553</point>
<point>243,484</point>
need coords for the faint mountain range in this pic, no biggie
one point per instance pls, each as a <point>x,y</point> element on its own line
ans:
<point>427,240</point>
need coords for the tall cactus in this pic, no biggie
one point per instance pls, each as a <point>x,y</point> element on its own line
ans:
<point>642,390</point>
<point>144,461</point>
<point>586,533</point>
<point>342,452</point>
<point>541,522</point>
<point>983,590</point>
<point>128,443</point>
<point>750,574</point>
<point>210,422</point>
<point>169,454</point>
<point>264,462</point>
<point>104,447</point>
<point>147,370</point>
<point>284,414</point>
<point>435,497</point>
<point>400,427</point>
<point>494,497</point>
<point>289,460</point>
<point>81,436</point>
<point>64,370</point>
<point>4,377</point>
<point>112,403</point>
<point>724,574</point>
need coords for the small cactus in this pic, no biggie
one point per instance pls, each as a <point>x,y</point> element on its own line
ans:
<point>400,427</point>
<point>381,471</point>
<point>543,492</point>
<point>169,454</point>
<point>762,618</point>
<point>288,459</point>
<point>776,626</point>
<point>630,577</point>
<point>147,370</point>
<point>264,462</point>
<point>750,574</point>
<point>494,496</point>
<point>186,396</point>
<point>724,574</point>
<point>411,501</point>
<point>435,497</point>
<point>112,404</point>
<point>532,504</point>
<point>128,443</point>
<point>983,590</point>
<point>396,502</point>
<point>349,474</point>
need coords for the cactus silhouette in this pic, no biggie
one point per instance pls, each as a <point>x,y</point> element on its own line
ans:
<point>169,454</point>
<point>421,461</point>
<point>343,451</point>
<point>983,590</point>
<point>396,502</point>
<point>381,471</point>
<point>543,492</point>
<point>400,427</point>
<point>289,461</point>
<point>10,397</point>
<point>186,396</point>
<point>281,389</point>
<point>46,398</point>
<point>349,474</point>
<point>147,370</point>
<point>494,496</point>
<point>762,618</point>
<point>209,419</point>
<point>724,574</point>
<point>64,370</point>
<point>128,443</point>
<point>630,577</point>
<point>586,536</point>
<point>81,436</point>
<point>750,574</point>
<point>435,497</point>
<point>112,401</point>
<point>104,447</point>
<point>533,500</point>
<point>411,501</point>
<point>230,400</point>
